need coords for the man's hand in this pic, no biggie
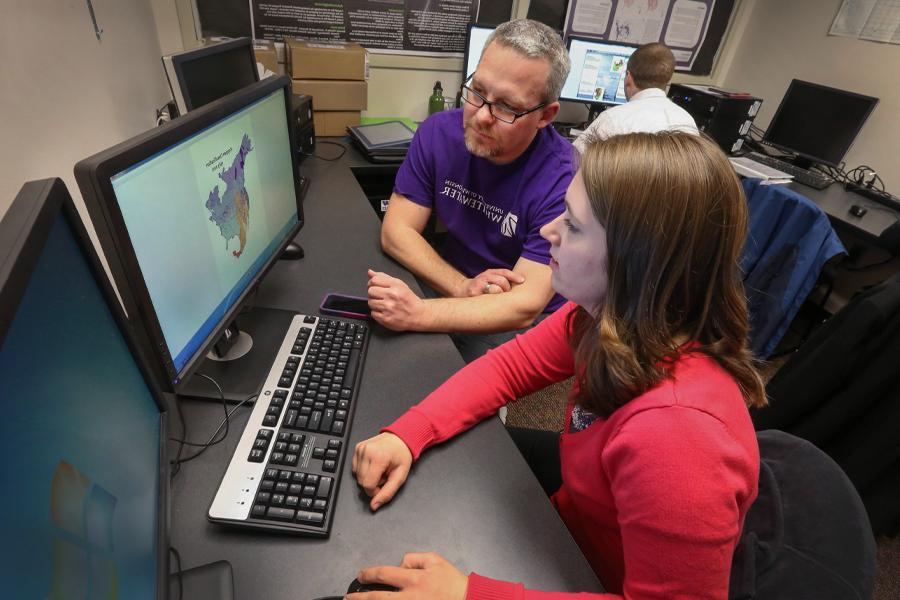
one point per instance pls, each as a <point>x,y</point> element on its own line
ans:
<point>491,281</point>
<point>420,576</point>
<point>393,304</point>
<point>381,464</point>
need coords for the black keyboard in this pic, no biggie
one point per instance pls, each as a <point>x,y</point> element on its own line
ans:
<point>801,175</point>
<point>285,470</point>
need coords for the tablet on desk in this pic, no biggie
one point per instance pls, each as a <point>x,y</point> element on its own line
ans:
<point>390,134</point>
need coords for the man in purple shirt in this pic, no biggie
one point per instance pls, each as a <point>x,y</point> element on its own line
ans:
<point>493,172</point>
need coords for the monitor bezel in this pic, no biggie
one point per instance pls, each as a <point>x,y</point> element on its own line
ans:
<point>94,175</point>
<point>30,220</point>
<point>179,59</point>
<point>817,159</point>
<point>595,41</point>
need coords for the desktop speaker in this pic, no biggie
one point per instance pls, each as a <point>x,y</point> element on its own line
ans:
<point>723,115</point>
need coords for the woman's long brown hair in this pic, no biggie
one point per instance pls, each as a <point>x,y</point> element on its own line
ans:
<point>675,220</point>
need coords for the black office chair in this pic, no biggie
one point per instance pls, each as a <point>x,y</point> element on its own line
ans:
<point>807,535</point>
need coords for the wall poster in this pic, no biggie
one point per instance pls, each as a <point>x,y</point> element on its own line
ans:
<point>691,28</point>
<point>391,26</point>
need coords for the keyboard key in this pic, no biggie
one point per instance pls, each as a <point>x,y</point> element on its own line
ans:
<point>282,514</point>
<point>324,488</point>
<point>259,510</point>
<point>320,505</point>
<point>313,518</point>
<point>329,465</point>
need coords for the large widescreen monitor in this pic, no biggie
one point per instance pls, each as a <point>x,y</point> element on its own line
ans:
<point>191,216</point>
<point>201,75</point>
<point>818,123</point>
<point>83,430</point>
<point>597,75</point>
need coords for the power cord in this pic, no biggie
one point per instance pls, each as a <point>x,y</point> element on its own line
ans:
<point>212,441</point>
<point>180,576</point>
<point>325,158</point>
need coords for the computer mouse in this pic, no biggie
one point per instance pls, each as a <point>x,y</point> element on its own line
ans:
<point>356,586</point>
<point>857,211</point>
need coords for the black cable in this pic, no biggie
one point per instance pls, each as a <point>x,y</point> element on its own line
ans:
<point>180,576</point>
<point>333,143</point>
<point>212,441</point>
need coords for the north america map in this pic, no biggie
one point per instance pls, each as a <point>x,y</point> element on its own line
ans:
<point>231,211</point>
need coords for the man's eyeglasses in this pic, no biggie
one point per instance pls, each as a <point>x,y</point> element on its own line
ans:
<point>501,112</point>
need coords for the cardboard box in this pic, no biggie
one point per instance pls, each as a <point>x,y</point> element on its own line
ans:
<point>333,95</point>
<point>326,60</point>
<point>334,122</point>
<point>265,53</point>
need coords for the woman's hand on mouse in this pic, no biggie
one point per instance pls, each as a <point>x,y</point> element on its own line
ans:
<point>381,465</point>
<point>420,576</point>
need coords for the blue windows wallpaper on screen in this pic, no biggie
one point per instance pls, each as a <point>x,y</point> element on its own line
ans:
<point>80,436</point>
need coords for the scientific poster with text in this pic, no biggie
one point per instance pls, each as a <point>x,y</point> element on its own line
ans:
<point>681,25</point>
<point>419,26</point>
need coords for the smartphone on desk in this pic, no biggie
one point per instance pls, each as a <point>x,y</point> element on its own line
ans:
<point>342,305</point>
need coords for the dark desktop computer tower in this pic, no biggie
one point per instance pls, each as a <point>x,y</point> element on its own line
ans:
<point>304,128</point>
<point>723,115</point>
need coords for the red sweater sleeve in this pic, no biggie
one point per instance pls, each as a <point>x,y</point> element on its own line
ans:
<point>528,363</point>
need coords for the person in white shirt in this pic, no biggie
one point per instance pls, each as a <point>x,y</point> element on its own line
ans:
<point>648,109</point>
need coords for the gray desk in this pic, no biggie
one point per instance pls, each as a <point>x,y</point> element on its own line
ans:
<point>836,202</point>
<point>472,500</point>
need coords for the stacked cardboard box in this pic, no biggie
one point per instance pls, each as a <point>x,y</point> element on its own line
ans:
<point>334,74</point>
<point>265,53</point>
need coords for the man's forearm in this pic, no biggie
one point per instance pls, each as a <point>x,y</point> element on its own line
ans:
<point>411,250</point>
<point>488,313</point>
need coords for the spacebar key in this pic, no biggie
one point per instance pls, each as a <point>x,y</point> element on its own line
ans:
<point>352,368</point>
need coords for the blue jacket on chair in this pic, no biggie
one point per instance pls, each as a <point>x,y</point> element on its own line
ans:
<point>789,241</point>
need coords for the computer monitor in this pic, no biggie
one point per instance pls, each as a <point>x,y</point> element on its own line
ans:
<point>83,430</point>
<point>476,36</point>
<point>597,75</point>
<point>191,216</point>
<point>818,123</point>
<point>201,75</point>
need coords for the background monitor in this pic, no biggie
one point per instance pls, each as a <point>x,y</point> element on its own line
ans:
<point>597,75</point>
<point>476,36</point>
<point>201,75</point>
<point>191,216</point>
<point>818,123</point>
<point>83,431</point>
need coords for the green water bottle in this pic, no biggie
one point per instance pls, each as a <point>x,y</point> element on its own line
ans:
<point>436,100</point>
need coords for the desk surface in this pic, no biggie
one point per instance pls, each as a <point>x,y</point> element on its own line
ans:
<point>473,500</point>
<point>836,202</point>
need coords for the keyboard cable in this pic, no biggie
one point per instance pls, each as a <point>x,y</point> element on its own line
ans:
<point>212,441</point>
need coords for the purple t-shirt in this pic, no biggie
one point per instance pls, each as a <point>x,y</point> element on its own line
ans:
<point>493,213</point>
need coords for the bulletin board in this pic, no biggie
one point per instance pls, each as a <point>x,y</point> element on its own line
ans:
<point>392,26</point>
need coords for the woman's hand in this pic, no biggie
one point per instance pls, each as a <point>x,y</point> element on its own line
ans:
<point>381,464</point>
<point>420,576</point>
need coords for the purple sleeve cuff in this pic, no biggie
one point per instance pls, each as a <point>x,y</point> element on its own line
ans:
<point>485,588</point>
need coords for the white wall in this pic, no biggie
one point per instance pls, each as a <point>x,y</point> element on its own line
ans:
<point>64,95</point>
<point>786,40</point>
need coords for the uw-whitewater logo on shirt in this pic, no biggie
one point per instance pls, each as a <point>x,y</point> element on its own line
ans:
<point>508,226</point>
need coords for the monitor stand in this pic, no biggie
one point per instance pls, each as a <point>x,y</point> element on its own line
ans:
<point>213,581</point>
<point>294,251</point>
<point>241,372</point>
<point>594,111</point>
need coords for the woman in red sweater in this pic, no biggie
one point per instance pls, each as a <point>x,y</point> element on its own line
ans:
<point>658,462</point>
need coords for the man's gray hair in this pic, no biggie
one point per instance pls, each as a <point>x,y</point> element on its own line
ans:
<point>536,40</point>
